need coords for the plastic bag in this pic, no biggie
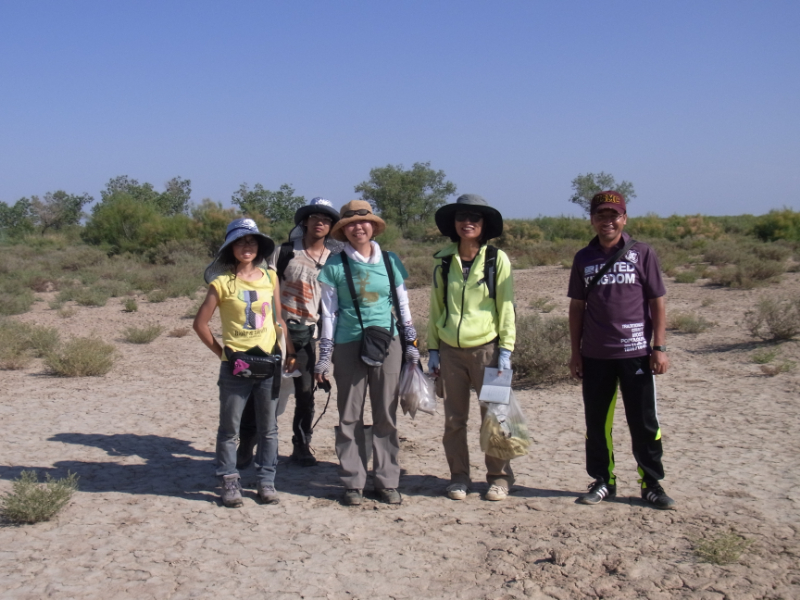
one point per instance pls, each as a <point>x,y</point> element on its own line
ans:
<point>504,433</point>
<point>416,391</point>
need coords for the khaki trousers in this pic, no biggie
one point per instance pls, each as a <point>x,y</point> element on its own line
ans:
<point>353,379</point>
<point>462,368</point>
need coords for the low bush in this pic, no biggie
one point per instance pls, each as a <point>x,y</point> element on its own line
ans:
<point>31,501</point>
<point>82,357</point>
<point>157,296</point>
<point>67,312</point>
<point>20,342</point>
<point>749,273</point>
<point>130,305</point>
<point>762,357</point>
<point>688,323</point>
<point>689,276</point>
<point>180,332</point>
<point>542,350</point>
<point>420,271</point>
<point>543,304</point>
<point>777,369</point>
<point>142,335</point>
<point>721,549</point>
<point>774,318</point>
<point>17,303</point>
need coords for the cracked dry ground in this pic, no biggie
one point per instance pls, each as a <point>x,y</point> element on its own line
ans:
<point>146,522</point>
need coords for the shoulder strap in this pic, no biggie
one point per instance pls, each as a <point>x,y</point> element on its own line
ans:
<point>606,267</point>
<point>285,254</point>
<point>446,260</point>
<point>395,300</point>
<point>348,275</point>
<point>490,271</point>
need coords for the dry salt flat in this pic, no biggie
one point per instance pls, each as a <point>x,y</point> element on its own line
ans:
<point>146,522</point>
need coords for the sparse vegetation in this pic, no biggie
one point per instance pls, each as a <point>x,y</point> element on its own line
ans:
<point>777,369</point>
<point>774,318</point>
<point>764,356</point>
<point>67,312</point>
<point>130,305</point>
<point>689,276</point>
<point>157,296</point>
<point>21,342</point>
<point>721,549</point>
<point>542,350</point>
<point>180,332</point>
<point>142,335</point>
<point>82,357</point>
<point>31,501</point>
<point>543,304</point>
<point>688,323</point>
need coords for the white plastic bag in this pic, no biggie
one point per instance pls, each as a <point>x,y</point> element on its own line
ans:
<point>416,391</point>
<point>504,433</point>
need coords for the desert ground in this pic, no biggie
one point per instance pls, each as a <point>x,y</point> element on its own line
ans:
<point>146,522</point>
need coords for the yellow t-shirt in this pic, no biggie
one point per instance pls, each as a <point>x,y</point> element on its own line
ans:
<point>245,308</point>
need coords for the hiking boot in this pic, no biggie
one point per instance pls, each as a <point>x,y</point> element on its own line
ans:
<point>244,453</point>
<point>654,495</point>
<point>389,496</point>
<point>496,493</point>
<point>352,498</point>
<point>598,491</point>
<point>231,491</point>
<point>303,455</point>
<point>457,491</point>
<point>268,494</point>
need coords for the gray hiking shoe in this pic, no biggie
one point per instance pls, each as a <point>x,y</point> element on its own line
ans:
<point>231,491</point>
<point>268,494</point>
<point>390,496</point>
<point>352,497</point>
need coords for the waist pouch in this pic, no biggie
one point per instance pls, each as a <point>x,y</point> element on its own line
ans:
<point>301,334</point>
<point>375,345</point>
<point>255,366</point>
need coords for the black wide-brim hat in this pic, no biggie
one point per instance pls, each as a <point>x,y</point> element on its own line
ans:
<point>316,206</point>
<point>492,219</point>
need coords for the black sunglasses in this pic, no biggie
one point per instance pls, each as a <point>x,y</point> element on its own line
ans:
<point>361,212</point>
<point>468,216</point>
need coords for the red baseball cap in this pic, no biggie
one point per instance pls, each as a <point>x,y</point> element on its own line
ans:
<point>607,199</point>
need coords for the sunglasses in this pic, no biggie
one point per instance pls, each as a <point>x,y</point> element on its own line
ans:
<point>469,216</point>
<point>361,212</point>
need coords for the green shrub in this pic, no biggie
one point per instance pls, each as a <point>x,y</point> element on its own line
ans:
<point>17,303</point>
<point>686,276</point>
<point>142,335</point>
<point>67,312</point>
<point>689,323</point>
<point>20,342</point>
<point>91,296</point>
<point>31,502</point>
<point>130,305</point>
<point>157,296</point>
<point>778,225</point>
<point>774,318</point>
<point>764,356</point>
<point>777,369</point>
<point>722,549</point>
<point>82,357</point>
<point>113,287</point>
<point>542,350</point>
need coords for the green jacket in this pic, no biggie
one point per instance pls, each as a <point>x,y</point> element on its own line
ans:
<point>473,318</point>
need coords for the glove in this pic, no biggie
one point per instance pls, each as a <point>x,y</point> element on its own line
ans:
<point>433,361</point>
<point>324,361</point>
<point>504,361</point>
<point>410,335</point>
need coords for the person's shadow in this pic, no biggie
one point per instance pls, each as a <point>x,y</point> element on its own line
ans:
<point>171,467</point>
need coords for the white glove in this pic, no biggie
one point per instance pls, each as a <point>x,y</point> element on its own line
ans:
<point>504,361</point>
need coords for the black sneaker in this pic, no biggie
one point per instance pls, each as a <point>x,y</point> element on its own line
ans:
<point>352,498</point>
<point>303,455</point>
<point>654,495</point>
<point>598,491</point>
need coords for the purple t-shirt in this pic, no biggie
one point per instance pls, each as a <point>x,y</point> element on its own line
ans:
<point>617,321</point>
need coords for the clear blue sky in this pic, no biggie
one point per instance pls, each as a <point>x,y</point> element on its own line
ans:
<point>696,103</point>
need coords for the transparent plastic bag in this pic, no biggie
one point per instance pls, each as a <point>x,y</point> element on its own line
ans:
<point>416,391</point>
<point>504,432</point>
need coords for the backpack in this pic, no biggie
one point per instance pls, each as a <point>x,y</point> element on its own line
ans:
<point>285,254</point>
<point>489,275</point>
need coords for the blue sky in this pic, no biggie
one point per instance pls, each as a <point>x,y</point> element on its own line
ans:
<point>696,103</point>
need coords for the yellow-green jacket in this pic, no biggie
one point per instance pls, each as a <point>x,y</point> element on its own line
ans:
<point>473,318</point>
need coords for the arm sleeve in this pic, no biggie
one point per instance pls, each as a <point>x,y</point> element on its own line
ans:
<point>506,313</point>
<point>330,310</point>
<point>436,306</point>
<point>402,300</point>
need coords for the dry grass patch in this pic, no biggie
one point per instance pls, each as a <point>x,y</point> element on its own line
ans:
<point>22,342</point>
<point>774,318</point>
<point>542,350</point>
<point>721,549</point>
<point>777,369</point>
<point>31,501</point>
<point>179,332</point>
<point>142,335</point>
<point>82,357</point>
<point>157,296</point>
<point>689,323</point>
<point>130,305</point>
<point>543,304</point>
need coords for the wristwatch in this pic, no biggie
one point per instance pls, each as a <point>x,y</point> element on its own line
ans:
<point>660,348</point>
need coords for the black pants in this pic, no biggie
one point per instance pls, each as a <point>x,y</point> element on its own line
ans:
<point>303,395</point>
<point>637,384</point>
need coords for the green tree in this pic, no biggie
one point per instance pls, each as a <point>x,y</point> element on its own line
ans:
<point>58,210</point>
<point>173,201</point>
<point>16,220</point>
<point>278,206</point>
<point>586,186</point>
<point>407,198</point>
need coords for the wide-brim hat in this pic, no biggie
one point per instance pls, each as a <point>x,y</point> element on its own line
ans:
<point>316,206</point>
<point>351,208</point>
<point>492,219</point>
<point>238,228</point>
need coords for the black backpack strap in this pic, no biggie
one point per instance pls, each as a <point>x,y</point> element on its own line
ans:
<point>348,274</point>
<point>446,260</point>
<point>285,254</point>
<point>607,266</point>
<point>490,271</point>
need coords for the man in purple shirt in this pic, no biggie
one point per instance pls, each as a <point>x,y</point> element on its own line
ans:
<point>611,325</point>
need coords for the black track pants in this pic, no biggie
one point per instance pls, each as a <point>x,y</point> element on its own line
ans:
<point>637,384</point>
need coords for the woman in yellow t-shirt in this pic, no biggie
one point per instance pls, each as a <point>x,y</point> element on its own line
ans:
<point>248,298</point>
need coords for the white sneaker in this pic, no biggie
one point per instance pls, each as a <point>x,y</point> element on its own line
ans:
<point>497,493</point>
<point>456,491</point>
